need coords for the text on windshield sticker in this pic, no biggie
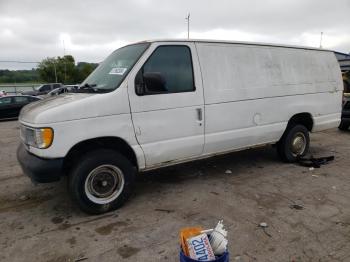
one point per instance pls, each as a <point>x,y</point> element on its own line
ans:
<point>117,71</point>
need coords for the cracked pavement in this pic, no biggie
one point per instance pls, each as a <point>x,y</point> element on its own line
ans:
<point>40,223</point>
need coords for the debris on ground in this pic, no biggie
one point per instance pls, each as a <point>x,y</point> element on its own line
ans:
<point>218,239</point>
<point>296,206</point>
<point>238,259</point>
<point>228,171</point>
<point>80,259</point>
<point>199,248</point>
<point>263,225</point>
<point>164,210</point>
<point>204,245</point>
<point>23,197</point>
<point>314,162</point>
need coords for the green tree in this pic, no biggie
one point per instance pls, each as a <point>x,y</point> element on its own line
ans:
<point>84,69</point>
<point>48,69</point>
<point>19,76</point>
<point>64,69</point>
<point>60,69</point>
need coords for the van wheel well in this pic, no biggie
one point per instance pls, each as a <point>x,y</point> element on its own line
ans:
<point>114,143</point>
<point>304,119</point>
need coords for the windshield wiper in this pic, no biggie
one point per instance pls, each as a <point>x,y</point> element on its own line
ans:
<point>88,88</point>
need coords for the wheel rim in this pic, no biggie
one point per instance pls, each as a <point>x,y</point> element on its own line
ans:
<point>298,144</point>
<point>104,184</point>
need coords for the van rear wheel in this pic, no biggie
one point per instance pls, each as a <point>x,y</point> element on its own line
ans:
<point>294,143</point>
<point>101,181</point>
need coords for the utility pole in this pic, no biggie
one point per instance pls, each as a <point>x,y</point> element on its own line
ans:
<point>321,40</point>
<point>54,66</point>
<point>188,25</point>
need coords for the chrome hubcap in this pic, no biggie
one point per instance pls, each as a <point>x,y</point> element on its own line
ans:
<point>104,184</point>
<point>298,144</point>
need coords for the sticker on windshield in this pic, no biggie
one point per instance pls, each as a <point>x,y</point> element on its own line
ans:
<point>118,71</point>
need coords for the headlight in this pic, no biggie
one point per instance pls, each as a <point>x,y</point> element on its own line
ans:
<point>37,137</point>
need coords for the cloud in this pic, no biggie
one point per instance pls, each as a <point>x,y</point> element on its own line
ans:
<point>35,29</point>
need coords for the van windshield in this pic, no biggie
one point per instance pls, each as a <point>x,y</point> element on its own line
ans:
<point>112,71</point>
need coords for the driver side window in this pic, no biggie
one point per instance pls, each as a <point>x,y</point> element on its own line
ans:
<point>168,70</point>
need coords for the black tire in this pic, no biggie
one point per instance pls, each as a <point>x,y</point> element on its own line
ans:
<point>100,166</point>
<point>344,126</point>
<point>285,145</point>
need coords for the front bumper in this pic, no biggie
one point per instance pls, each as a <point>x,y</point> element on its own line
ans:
<point>40,170</point>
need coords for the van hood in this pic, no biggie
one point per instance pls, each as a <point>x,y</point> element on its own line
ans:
<point>74,106</point>
<point>54,109</point>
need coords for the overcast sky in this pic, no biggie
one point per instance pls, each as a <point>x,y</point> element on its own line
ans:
<point>31,30</point>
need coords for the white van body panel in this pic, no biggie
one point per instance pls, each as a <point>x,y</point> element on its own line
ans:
<point>79,117</point>
<point>247,94</point>
<point>75,106</point>
<point>50,110</point>
<point>251,92</point>
<point>166,125</point>
<point>240,72</point>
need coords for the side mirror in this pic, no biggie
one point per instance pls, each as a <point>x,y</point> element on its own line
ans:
<point>140,89</point>
<point>154,82</point>
<point>139,85</point>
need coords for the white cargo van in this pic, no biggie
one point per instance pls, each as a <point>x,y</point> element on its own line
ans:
<point>159,103</point>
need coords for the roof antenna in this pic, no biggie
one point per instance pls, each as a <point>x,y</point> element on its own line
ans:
<point>188,25</point>
<point>321,40</point>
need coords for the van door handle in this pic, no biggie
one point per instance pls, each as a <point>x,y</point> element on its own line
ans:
<point>199,114</point>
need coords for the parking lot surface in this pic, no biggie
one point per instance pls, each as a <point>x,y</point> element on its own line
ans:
<point>40,223</point>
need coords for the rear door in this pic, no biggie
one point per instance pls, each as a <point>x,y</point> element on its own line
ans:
<point>168,122</point>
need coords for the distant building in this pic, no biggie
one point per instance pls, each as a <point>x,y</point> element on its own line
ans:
<point>344,61</point>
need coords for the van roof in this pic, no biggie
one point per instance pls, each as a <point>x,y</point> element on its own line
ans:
<point>235,42</point>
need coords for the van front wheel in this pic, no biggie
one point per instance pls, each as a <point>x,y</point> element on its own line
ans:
<point>294,143</point>
<point>101,181</point>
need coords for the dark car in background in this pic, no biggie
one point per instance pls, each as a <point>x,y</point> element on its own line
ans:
<point>345,115</point>
<point>10,106</point>
<point>61,90</point>
<point>43,89</point>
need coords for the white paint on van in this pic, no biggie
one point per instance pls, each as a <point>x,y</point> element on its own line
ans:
<point>169,126</point>
<point>247,93</point>
<point>275,83</point>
